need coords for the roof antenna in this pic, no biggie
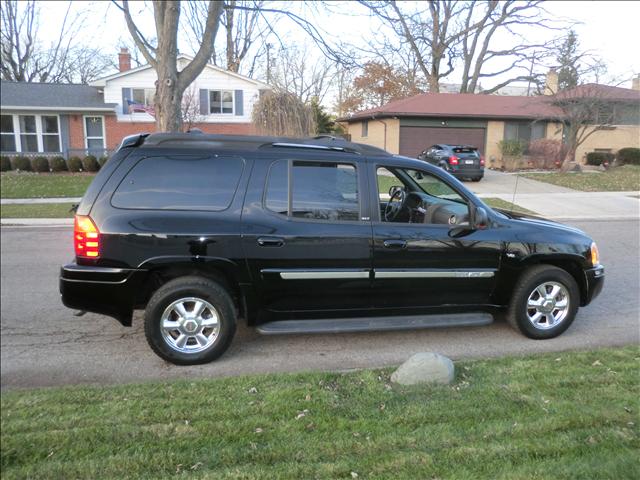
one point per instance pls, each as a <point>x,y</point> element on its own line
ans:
<point>515,188</point>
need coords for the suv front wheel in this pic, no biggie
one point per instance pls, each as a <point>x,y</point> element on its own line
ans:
<point>544,302</point>
<point>190,320</point>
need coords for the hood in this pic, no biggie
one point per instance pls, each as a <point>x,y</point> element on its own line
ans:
<point>540,221</point>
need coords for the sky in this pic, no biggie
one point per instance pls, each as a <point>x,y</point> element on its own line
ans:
<point>609,29</point>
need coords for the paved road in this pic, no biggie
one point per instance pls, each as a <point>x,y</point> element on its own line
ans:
<point>43,344</point>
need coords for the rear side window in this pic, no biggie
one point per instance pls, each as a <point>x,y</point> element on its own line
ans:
<point>319,190</point>
<point>181,182</point>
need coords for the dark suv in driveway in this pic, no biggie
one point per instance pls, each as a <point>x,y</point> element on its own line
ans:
<point>461,161</point>
<point>316,235</point>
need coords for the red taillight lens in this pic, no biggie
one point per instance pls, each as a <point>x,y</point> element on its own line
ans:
<point>453,160</point>
<point>86,237</point>
<point>481,161</point>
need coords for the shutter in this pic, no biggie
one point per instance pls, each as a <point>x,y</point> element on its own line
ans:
<point>126,95</point>
<point>204,102</point>
<point>239,103</point>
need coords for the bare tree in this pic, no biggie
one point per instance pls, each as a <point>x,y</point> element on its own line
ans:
<point>583,111</point>
<point>85,64</point>
<point>24,58</point>
<point>442,34</point>
<point>295,71</point>
<point>282,113</point>
<point>163,54</point>
<point>190,108</point>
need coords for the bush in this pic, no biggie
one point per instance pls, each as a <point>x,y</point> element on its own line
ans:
<point>102,161</point>
<point>5,164</point>
<point>40,164</point>
<point>598,158</point>
<point>22,163</point>
<point>90,164</point>
<point>629,156</point>
<point>75,164</point>
<point>58,164</point>
<point>512,148</point>
<point>547,153</point>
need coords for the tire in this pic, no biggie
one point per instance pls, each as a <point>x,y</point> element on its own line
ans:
<point>476,179</point>
<point>208,333</point>
<point>554,318</point>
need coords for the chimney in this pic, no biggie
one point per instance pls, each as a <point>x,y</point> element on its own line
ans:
<point>635,83</point>
<point>124,60</point>
<point>551,83</point>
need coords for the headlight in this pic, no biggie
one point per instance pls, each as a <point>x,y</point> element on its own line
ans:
<point>595,255</point>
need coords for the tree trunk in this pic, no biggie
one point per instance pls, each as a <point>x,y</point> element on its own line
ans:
<point>569,159</point>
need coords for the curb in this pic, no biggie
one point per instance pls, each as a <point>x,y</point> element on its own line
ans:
<point>31,201</point>
<point>36,222</point>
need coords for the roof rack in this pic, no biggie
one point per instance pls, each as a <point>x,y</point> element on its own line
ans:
<point>242,142</point>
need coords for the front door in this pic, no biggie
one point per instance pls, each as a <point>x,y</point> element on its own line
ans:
<point>307,246</point>
<point>417,262</point>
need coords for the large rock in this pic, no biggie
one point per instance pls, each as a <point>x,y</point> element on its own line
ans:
<point>424,368</point>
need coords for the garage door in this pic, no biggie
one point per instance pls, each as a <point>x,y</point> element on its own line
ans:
<point>413,140</point>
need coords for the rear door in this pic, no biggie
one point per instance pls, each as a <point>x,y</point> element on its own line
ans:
<point>308,246</point>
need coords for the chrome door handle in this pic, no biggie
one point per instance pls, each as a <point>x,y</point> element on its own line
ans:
<point>270,241</point>
<point>395,244</point>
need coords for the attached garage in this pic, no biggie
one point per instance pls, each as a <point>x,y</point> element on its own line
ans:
<point>415,139</point>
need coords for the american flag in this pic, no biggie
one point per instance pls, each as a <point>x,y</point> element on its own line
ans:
<point>135,107</point>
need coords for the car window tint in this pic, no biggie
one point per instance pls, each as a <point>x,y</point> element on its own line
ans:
<point>181,182</point>
<point>277,190</point>
<point>324,191</point>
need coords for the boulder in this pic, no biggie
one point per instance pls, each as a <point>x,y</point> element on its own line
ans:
<point>424,368</point>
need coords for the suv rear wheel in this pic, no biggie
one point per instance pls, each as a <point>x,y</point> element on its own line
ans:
<point>544,302</point>
<point>190,320</point>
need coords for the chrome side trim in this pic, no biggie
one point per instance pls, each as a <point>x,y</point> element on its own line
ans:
<point>318,274</point>
<point>433,274</point>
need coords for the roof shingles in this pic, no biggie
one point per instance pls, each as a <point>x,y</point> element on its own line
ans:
<point>51,95</point>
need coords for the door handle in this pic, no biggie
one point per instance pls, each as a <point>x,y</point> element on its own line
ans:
<point>395,244</point>
<point>270,241</point>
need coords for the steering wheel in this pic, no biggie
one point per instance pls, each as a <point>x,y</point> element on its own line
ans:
<point>394,205</point>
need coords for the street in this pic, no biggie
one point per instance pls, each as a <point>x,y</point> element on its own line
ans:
<point>44,344</point>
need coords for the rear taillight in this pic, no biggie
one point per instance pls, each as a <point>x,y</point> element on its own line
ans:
<point>481,161</point>
<point>453,160</point>
<point>86,237</point>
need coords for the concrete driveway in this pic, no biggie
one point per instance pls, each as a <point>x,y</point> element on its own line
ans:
<point>43,344</point>
<point>505,183</point>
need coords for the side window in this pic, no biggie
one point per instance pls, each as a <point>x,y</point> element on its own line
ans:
<point>320,191</point>
<point>181,182</point>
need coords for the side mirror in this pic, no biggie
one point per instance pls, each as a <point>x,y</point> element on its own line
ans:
<point>480,218</point>
<point>419,176</point>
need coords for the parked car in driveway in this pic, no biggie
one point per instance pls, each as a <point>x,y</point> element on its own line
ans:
<point>308,235</point>
<point>461,161</point>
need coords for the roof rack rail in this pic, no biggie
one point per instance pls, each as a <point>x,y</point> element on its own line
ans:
<point>314,147</point>
<point>133,140</point>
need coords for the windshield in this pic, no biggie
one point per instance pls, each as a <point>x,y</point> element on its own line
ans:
<point>434,186</point>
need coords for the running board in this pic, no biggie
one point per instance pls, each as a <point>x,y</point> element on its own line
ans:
<point>375,324</point>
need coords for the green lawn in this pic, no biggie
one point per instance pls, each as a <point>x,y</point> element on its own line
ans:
<point>43,185</point>
<point>503,204</point>
<point>38,210</point>
<point>619,179</point>
<point>553,416</point>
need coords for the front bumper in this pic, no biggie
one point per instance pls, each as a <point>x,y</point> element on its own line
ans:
<point>595,282</point>
<point>104,290</point>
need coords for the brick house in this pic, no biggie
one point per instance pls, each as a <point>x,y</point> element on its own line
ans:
<point>68,120</point>
<point>409,126</point>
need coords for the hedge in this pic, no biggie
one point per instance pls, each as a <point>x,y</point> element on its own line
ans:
<point>75,164</point>
<point>5,164</point>
<point>90,164</point>
<point>40,164</point>
<point>58,164</point>
<point>22,163</point>
<point>629,156</point>
<point>598,158</point>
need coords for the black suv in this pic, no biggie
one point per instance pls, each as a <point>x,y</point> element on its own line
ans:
<point>316,235</point>
<point>462,161</point>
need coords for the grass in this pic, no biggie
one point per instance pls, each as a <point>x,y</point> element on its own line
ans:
<point>619,179</point>
<point>38,210</point>
<point>505,205</point>
<point>556,416</point>
<point>44,185</point>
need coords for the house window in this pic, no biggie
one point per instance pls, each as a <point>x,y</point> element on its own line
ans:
<point>50,133</point>
<point>525,131</point>
<point>7,134</point>
<point>141,97</point>
<point>221,101</point>
<point>365,128</point>
<point>94,135</point>
<point>28,133</point>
